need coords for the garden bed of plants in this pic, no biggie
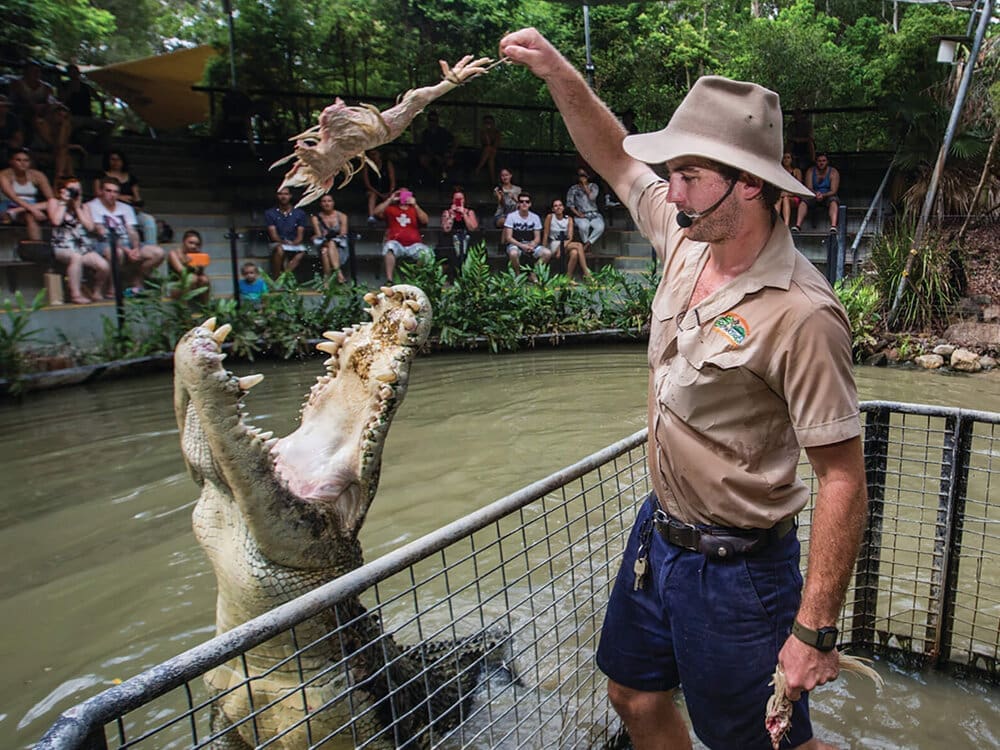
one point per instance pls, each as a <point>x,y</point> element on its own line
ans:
<point>476,309</point>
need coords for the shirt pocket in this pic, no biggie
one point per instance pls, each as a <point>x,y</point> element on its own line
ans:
<point>710,384</point>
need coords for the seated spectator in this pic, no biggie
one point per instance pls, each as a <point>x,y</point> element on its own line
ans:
<point>458,221</point>
<point>380,181</point>
<point>824,182</point>
<point>788,204</point>
<point>78,97</point>
<point>506,193</point>
<point>187,264</point>
<point>402,237</point>
<point>581,201</point>
<point>522,232</point>
<point>26,191</point>
<point>116,165</point>
<point>558,237</point>
<point>251,285</point>
<point>437,149</point>
<point>71,244</point>
<point>33,99</point>
<point>490,139</point>
<point>11,133</point>
<point>286,228</point>
<point>330,236</point>
<point>115,221</point>
<point>52,144</point>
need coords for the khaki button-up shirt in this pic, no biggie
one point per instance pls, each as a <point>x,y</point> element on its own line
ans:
<point>743,380</point>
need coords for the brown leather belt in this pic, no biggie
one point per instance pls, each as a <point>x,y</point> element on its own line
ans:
<point>719,542</point>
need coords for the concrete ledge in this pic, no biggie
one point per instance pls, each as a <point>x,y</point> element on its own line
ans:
<point>44,381</point>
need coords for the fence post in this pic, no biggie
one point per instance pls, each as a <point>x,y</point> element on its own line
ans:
<point>948,536</point>
<point>869,557</point>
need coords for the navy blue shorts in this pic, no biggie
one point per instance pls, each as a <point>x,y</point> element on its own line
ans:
<point>712,627</point>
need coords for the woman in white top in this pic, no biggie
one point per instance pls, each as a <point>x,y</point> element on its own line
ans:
<point>26,192</point>
<point>558,235</point>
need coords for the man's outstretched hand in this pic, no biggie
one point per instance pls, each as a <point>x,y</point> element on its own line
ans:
<point>529,48</point>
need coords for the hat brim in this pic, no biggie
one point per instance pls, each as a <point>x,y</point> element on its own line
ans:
<point>663,146</point>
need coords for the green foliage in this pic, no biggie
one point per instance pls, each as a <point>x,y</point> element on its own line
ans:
<point>53,28</point>
<point>15,334</point>
<point>860,298</point>
<point>931,285</point>
<point>505,307</point>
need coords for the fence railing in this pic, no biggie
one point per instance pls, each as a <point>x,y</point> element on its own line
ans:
<point>482,633</point>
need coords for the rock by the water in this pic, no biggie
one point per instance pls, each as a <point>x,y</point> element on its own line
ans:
<point>929,361</point>
<point>878,359</point>
<point>974,335</point>
<point>965,361</point>
<point>945,350</point>
<point>988,363</point>
<point>991,313</point>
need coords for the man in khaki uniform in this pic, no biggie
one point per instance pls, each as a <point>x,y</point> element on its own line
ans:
<point>750,361</point>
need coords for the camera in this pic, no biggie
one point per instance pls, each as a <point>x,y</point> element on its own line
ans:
<point>73,193</point>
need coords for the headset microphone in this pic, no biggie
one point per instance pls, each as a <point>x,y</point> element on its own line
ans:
<point>684,220</point>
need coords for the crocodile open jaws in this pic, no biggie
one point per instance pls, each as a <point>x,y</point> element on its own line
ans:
<point>278,517</point>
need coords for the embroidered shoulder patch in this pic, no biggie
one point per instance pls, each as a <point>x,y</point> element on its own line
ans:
<point>733,327</point>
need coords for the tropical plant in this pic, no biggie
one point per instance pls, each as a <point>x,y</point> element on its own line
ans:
<point>932,283</point>
<point>861,300</point>
<point>15,334</point>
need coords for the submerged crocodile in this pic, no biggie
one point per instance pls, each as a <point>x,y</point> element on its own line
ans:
<point>278,517</point>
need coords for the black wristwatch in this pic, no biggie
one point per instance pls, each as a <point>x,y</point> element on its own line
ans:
<point>824,639</point>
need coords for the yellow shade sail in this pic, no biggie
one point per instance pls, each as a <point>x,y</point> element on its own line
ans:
<point>158,89</point>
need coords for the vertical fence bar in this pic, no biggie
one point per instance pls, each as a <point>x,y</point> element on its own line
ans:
<point>867,570</point>
<point>948,535</point>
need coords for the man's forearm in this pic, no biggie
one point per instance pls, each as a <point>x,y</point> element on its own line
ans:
<point>838,523</point>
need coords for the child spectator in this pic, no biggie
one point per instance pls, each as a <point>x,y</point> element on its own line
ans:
<point>188,264</point>
<point>71,222</point>
<point>252,287</point>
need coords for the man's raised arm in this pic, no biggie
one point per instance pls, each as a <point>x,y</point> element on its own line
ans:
<point>593,127</point>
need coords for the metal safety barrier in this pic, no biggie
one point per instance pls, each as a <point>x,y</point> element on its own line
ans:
<point>482,633</point>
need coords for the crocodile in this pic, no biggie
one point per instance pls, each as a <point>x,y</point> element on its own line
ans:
<point>278,517</point>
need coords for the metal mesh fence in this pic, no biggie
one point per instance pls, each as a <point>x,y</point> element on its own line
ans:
<point>482,634</point>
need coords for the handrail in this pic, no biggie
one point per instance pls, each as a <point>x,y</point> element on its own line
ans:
<point>871,209</point>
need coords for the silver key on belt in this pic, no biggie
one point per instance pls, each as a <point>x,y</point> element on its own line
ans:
<point>639,568</point>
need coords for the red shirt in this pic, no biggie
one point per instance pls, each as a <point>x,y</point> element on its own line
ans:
<point>404,227</point>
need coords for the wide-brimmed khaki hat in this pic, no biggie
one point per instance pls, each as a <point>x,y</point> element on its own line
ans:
<point>732,122</point>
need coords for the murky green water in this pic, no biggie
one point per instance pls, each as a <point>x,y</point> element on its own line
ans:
<point>100,576</point>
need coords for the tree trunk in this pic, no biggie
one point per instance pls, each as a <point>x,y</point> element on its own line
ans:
<point>982,181</point>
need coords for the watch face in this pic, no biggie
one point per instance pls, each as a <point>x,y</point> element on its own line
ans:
<point>827,639</point>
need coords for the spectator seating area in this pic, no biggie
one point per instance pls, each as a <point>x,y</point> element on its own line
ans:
<point>217,188</point>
